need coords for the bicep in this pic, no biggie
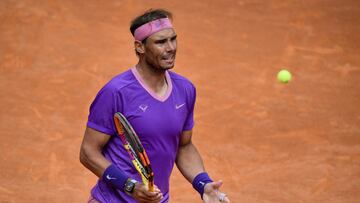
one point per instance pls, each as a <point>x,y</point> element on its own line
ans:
<point>94,139</point>
<point>185,138</point>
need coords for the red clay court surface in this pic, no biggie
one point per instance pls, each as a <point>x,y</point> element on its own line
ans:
<point>267,141</point>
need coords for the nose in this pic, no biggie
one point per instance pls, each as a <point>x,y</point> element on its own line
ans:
<point>170,46</point>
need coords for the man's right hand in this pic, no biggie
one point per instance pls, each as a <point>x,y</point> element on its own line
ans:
<point>142,194</point>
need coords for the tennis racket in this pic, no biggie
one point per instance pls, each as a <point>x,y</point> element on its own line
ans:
<point>135,149</point>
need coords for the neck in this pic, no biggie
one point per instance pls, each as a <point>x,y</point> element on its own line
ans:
<point>154,78</point>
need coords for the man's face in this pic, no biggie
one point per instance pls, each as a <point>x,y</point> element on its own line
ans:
<point>160,49</point>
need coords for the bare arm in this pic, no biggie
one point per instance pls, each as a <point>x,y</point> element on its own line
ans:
<point>188,159</point>
<point>92,158</point>
<point>90,151</point>
<point>190,164</point>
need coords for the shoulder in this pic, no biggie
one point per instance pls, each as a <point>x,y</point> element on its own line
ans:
<point>119,82</point>
<point>181,80</point>
<point>183,86</point>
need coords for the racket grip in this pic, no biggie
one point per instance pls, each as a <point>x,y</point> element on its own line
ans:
<point>151,186</point>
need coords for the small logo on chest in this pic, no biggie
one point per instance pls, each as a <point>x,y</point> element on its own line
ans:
<point>143,107</point>
<point>179,106</point>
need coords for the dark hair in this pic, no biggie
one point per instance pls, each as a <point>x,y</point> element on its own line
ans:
<point>149,15</point>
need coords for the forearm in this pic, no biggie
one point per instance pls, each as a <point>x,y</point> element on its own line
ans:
<point>189,161</point>
<point>94,161</point>
<point>91,151</point>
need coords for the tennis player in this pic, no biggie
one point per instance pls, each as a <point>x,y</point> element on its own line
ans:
<point>160,106</point>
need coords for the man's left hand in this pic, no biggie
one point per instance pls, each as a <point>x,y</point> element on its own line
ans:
<point>213,195</point>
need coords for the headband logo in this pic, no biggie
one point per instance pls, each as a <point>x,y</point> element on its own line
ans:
<point>151,27</point>
<point>158,23</point>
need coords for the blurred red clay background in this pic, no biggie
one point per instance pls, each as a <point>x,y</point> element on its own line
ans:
<point>267,141</point>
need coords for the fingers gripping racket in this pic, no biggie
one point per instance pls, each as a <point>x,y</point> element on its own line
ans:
<point>135,149</point>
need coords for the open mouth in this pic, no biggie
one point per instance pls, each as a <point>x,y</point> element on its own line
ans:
<point>169,58</point>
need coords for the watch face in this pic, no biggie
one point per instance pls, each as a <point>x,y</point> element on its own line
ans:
<point>129,186</point>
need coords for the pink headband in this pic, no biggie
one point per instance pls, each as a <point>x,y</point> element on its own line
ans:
<point>151,27</point>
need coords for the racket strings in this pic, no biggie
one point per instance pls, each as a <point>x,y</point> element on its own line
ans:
<point>134,148</point>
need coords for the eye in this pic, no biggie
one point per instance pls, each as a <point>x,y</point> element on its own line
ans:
<point>162,41</point>
<point>173,38</point>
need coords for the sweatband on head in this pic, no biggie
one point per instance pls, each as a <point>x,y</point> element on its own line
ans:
<point>151,27</point>
<point>200,181</point>
<point>115,177</point>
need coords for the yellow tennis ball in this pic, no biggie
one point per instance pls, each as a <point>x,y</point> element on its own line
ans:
<point>284,76</point>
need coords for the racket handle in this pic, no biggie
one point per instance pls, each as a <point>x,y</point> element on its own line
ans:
<point>151,186</point>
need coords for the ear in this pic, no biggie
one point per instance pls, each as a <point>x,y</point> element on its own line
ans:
<point>139,47</point>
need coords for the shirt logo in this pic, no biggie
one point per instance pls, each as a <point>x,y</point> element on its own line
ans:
<point>110,178</point>
<point>143,107</point>
<point>179,106</point>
